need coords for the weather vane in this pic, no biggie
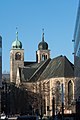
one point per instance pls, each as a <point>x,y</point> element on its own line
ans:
<point>16,33</point>
<point>43,30</point>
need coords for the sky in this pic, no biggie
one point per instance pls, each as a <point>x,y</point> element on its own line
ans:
<point>57,17</point>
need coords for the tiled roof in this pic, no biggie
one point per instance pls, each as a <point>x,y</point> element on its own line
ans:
<point>58,67</point>
<point>51,68</point>
<point>28,63</point>
<point>26,73</point>
<point>32,71</point>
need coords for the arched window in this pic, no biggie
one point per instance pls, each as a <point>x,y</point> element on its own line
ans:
<point>58,95</point>
<point>46,56</point>
<point>58,86</point>
<point>70,92</point>
<point>43,57</point>
<point>18,56</point>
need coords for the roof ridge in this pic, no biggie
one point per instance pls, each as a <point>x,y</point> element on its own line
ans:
<point>45,62</point>
<point>69,61</point>
<point>58,56</point>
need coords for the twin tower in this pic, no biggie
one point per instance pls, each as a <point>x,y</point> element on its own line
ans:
<point>17,55</point>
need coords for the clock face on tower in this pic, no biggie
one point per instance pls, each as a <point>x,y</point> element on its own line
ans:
<point>18,56</point>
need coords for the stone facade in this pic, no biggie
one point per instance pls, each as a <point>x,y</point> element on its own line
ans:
<point>45,78</point>
<point>42,55</point>
<point>15,62</point>
<point>49,90</point>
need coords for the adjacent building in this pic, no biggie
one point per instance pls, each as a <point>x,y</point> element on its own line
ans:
<point>0,61</point>
<point>0,70</point>
<point>77,55</point>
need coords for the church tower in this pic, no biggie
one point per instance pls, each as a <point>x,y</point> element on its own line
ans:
<point>16,58</point>
<point>43,52</point>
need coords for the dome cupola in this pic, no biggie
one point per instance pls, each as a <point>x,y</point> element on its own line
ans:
<point>43,45</point>
<point>17,44</point>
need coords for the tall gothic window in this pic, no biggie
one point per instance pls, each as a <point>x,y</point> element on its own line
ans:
<point>58,95</point>
<point>18,56</point>
<point>70,92</point>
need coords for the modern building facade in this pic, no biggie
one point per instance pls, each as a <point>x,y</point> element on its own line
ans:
<point>0,70</point>
<point>77,54</point>
<point>0,61</point>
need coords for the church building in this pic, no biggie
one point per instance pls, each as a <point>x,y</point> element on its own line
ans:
<point>51,78</point>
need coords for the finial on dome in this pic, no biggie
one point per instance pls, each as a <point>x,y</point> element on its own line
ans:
<point>17,44</point>
<point>42,45</point>
<point>16,34</point>
<point>43,35</point>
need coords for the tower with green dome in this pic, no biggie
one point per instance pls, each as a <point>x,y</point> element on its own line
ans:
<point>17,44</point>
<point>16,58</point>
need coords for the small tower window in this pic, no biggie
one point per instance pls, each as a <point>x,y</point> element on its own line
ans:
<point>43,57</point>
<point>46,56</point>
<point>18,56</point>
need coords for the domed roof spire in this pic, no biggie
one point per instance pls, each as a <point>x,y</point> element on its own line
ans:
<point>16,34</point>
<point>43,45</point>
<point>43,35</point>
<point>16,44</point>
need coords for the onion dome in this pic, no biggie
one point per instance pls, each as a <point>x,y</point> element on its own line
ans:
<point>17,44</point>
<point>43,45</point>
